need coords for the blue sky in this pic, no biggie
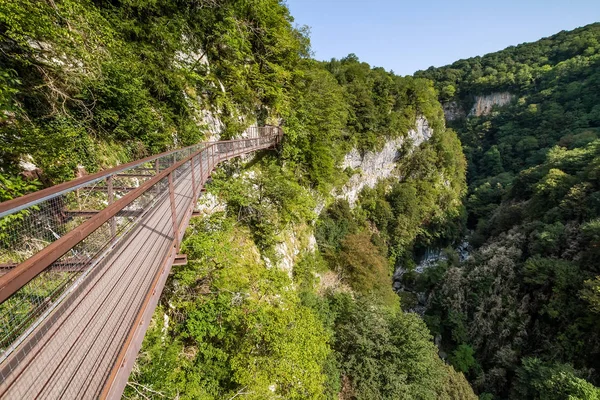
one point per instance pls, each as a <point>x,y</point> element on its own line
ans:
<point>406,36</point>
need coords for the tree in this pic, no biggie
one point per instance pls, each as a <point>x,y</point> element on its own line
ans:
<point>448,92</point>
<point>539,380</point>
<point>365,268</point>
<point>492,162</point>
<point>591,293</point>
<point>387,354</point>
<point>462,358</point>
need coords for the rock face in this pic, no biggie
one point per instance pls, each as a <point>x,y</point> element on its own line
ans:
<point>296,242</point>
<point>431,258</point>
<point>207,119</point>
<point>213,124</point>
<point>373,166</point>
<point>28,169</point>
<point>191,57</point>
<point>453,111</point>
<point>210,204</point>
<point>483,104</point>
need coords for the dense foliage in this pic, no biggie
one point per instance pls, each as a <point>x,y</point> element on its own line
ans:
<point>231,326</point>
<point>385,353</point>
<point>94,83</point>
<point>520,316</point>
<point>381,104</point>
<point>518,68</point>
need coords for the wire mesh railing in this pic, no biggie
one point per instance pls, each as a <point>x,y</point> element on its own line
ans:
<point>52,240</point>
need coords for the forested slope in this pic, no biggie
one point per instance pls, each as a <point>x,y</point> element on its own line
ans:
<point>288,293</point>
<point>520,317</point>
<point>261,310</point>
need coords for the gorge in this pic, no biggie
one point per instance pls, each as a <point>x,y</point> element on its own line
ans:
<point>491,162</point>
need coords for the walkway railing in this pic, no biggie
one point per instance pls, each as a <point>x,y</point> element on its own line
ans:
<point>53,239</point>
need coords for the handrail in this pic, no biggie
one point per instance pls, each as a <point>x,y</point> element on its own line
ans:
<point>14,205</point>
<point>28,200</point>
<point>18,277</point>
<point>30,268</point>
<point>71,273</point>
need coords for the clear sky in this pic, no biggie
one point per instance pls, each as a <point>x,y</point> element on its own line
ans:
<point>406,36</point>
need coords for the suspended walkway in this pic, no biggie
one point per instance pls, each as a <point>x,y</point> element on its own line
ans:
<point>84,263</point>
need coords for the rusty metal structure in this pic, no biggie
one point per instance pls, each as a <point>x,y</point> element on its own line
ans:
<point>83,264</point>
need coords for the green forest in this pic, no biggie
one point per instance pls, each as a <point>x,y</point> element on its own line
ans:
<point>89,84</point>
<point>520,316</point>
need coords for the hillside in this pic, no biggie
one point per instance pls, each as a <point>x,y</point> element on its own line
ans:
<point>492,161</point>
<point>282,270</point>
<point>520,316</point>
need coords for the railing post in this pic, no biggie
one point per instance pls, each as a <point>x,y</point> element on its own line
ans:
<point>208,160</point>
<point>156,172</point>
<point>111,199</point>
<point>173,211</point>
<point>201,167</point>
<point>193,177</point>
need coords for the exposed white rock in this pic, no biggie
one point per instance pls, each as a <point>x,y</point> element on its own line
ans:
<point>39,46</point>
<point>287,254</point>
<point>210,204</point>
<point>429,259</point>
<point>28,168</point>
<point>191,57</point>
<point>206,119</point>
<point>213,124</point>
<point>26,164</point>
<point>165,327</point>
<point>45,53</point>
<point>373,166</point>
<point>294,243</point>
<point>484,104</point>
<point>312,243</point>
<point>319,200</point>
<point>221,85</point>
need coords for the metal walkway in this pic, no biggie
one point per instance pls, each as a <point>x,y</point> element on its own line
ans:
<point>92,258</point>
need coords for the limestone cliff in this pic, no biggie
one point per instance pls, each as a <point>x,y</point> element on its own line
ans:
<point>484,104</point>
<point>453,111</point>
<point>372,166</point>
<point>295,242</point>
